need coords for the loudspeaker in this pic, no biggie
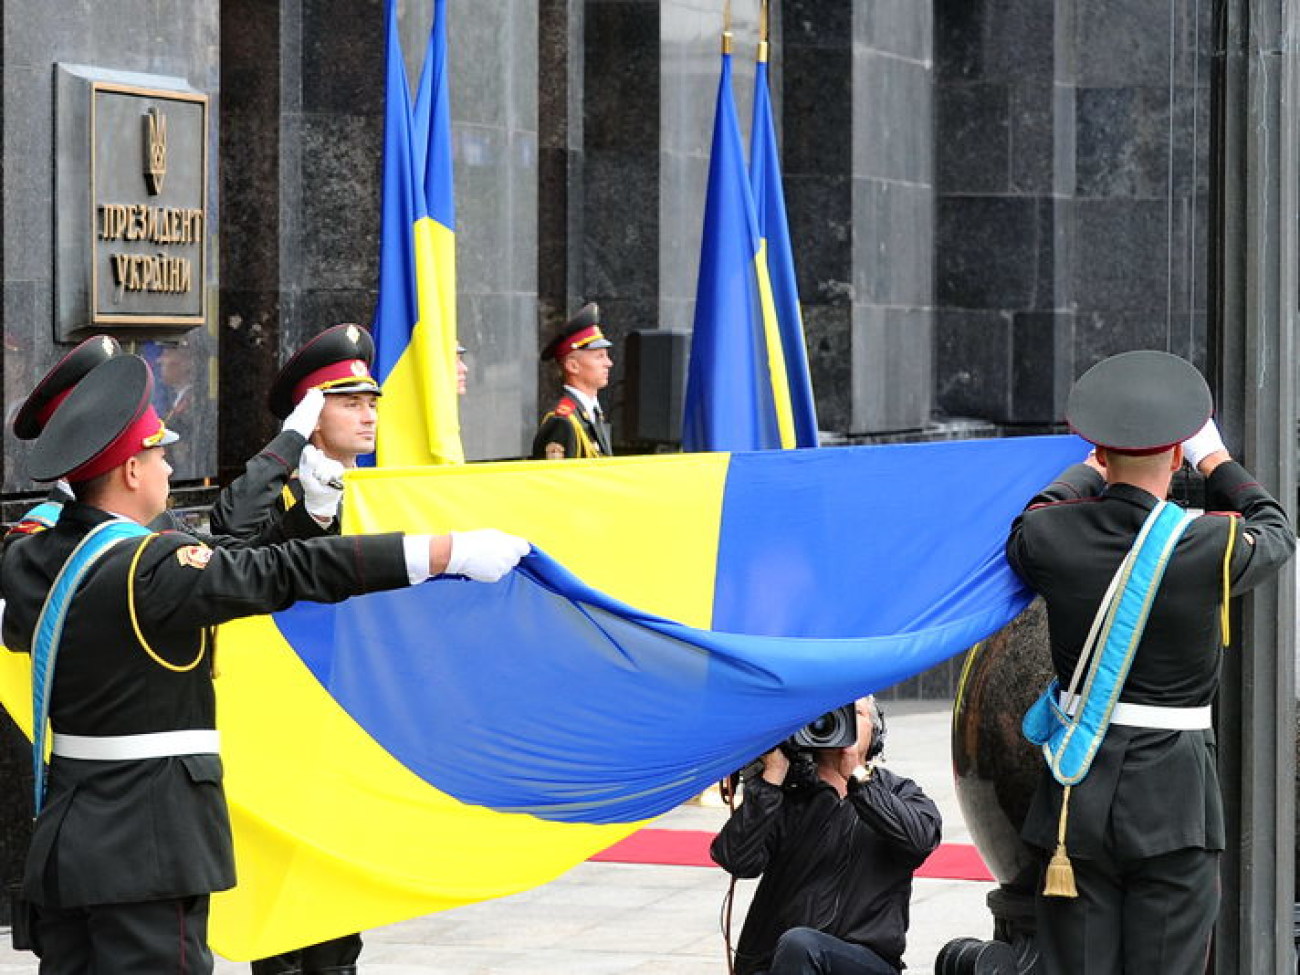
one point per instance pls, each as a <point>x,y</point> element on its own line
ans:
<point>654,378</point>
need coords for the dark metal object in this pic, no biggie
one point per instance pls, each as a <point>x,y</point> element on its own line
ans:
<point>970,956</point>
<point>996,772</point>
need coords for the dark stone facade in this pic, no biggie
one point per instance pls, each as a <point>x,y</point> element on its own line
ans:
<point>1072,166</point>
<point>986,197</point>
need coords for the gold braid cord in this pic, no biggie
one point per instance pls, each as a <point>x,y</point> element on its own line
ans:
<point>135,622</point>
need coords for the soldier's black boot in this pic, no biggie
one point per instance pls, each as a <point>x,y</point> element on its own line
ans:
<point>286,964</point>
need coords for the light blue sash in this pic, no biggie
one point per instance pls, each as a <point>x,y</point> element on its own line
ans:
<point>49,630</point>
<point>1070,741</point>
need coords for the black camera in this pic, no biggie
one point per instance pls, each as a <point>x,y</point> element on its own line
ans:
<point>834,729</point>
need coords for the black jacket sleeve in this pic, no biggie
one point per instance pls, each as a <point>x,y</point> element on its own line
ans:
<point>1266,539</point>
<point>1075,482</point>
<point>899,811</point>
<point>248,508</point>
<point>554,429</point>
<point>745,843</point>
<point>179,584</point>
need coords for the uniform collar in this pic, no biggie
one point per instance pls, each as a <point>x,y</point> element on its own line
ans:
<point>588,403</point>
<point>1132,494</point>
<point>85,514</point>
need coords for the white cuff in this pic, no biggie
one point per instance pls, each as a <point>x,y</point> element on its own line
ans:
<point>416,548</point>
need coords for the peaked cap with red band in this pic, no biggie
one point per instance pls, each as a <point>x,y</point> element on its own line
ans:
<point>337,360</point>
<point>582,331</point>
<point>41,403</point>
<point>1139,402</point>
<point>107,419</point>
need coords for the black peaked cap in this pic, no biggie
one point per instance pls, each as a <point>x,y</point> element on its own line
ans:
<point>103,405</point>
<point>69,371</point>
<point>338,343</point>
<point>1139,402</point>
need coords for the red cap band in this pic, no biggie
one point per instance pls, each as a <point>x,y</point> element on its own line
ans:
<point>146,430</point>
<point>335,374</point>
<point>577,340</point>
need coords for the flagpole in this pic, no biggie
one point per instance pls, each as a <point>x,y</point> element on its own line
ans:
<point>726,27</point>
<point>762,31</point>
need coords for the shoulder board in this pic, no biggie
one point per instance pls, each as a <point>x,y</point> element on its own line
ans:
<point>564,407</point>
<point>28,527</point>
<point>1225,514</point>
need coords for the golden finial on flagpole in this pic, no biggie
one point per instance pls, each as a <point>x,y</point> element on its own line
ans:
<point>762,31</point>
<point>726,27</point>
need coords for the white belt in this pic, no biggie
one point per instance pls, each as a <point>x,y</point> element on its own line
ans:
<point>1151,716</point>
<point>157,744</point>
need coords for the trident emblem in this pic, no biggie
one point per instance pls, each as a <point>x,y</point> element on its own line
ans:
<point>155,150</point>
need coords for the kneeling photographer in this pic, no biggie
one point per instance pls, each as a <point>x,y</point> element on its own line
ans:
<point>836,838</point>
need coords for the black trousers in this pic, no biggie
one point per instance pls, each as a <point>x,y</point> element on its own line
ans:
<point>338,955</point>
<point>1133,917</point>
<point>168,937</point>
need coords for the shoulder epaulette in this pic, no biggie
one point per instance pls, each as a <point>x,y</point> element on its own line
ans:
<point>564,408</point>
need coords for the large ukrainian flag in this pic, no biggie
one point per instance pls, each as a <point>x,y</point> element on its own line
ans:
<point>737,389</point>
<point>415,318</point>
<point>407,752</point>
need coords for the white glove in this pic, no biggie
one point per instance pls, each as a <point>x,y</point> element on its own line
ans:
<point>485,555</point>
<point>322,483</point>
<point>305,415</point>
<point>1203,443</point>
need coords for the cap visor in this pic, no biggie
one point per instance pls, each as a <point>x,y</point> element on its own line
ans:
<point>368,387</point>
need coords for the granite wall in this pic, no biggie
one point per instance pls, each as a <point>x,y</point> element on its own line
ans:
<point>1072,167</point>
<point>301,131</point>
<point>171,40</point>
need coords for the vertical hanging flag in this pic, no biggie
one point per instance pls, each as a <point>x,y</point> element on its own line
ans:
<point>737,396</point>
<point>774,228</point>
<point>415,316</point>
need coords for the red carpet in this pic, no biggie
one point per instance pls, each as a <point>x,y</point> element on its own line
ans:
<point>690,848</point>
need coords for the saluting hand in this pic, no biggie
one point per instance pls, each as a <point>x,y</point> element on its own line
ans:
<point>306,414</point>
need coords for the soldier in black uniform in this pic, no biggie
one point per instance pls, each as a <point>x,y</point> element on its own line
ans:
<point>576,425</point>
<point>133,834</point>
<point>327,399</point>
<point>1144,829</point>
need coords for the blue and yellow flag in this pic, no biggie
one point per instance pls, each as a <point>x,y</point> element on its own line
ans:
<point>774,228</point>
<point>407,752</point>
<point>737,390</point>
<point>415,317</point>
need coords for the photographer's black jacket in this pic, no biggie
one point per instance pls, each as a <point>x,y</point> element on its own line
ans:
<point>841,866</point>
